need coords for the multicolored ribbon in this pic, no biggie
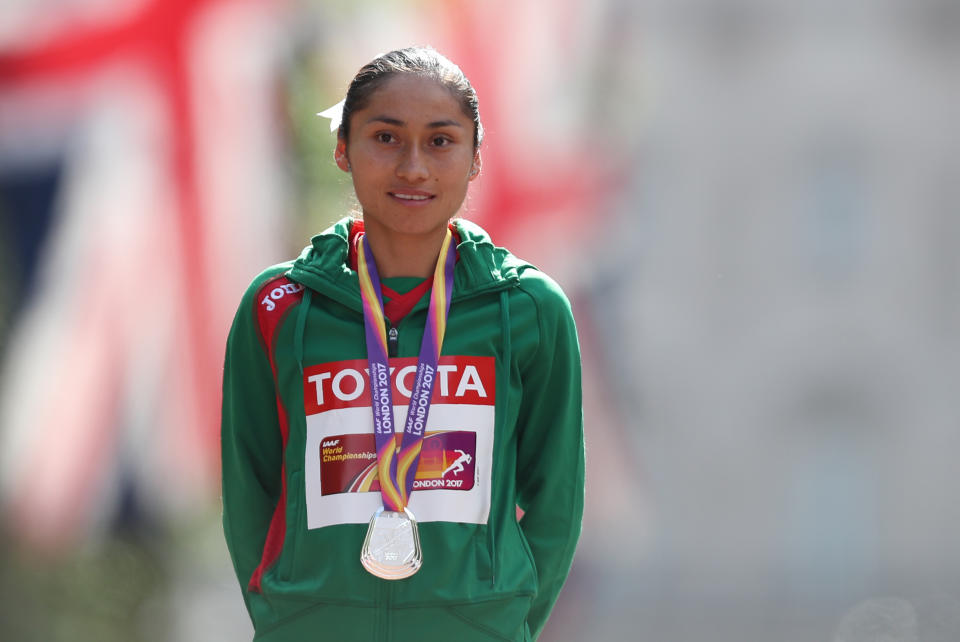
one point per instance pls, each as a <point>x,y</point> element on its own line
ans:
<point>398,455</point>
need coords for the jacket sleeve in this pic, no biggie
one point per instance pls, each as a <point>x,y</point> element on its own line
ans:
<point>251,443</point>
<point>550,464</point>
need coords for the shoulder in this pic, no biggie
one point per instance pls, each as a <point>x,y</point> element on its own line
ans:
<point>542,304</point>
<point>266,300</point>
<point>540,285</point>
<point>543,290</point>
<point>269,278</point>
<point>557,330</point>
<point>327,251</point>
<point>487,259</point>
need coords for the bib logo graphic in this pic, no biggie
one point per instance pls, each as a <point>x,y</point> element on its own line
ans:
<point>348,463</point>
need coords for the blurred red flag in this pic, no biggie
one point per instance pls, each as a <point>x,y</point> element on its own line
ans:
<point>163,118</point>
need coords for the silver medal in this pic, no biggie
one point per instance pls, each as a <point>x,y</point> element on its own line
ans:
<point>391,549</point>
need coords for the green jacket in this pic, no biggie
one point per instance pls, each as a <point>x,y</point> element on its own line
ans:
<point>505,430</point>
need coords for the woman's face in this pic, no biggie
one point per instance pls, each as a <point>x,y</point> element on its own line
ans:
<point>411,155</point>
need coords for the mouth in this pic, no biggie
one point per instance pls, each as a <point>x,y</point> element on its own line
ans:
<point>412,197</point>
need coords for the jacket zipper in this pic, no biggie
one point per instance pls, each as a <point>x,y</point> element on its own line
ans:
<point>393,339</point>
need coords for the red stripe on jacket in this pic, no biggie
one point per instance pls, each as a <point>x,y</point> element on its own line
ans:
<point>274,300</point>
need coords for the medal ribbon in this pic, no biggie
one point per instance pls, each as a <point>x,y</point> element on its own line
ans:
<point>397,459</point>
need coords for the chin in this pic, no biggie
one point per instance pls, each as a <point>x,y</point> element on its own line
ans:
<point>420,230</point>
<point>416,225</point>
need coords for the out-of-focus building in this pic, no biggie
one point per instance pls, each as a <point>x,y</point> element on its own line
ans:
<point>789,268</point>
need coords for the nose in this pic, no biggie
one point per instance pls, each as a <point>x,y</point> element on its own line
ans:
<point>412,165</point>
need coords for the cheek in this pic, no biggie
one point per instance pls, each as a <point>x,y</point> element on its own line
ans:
<point>454,171</point>
<point>365,189</point>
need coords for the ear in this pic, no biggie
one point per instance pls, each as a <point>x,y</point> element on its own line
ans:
<point>340,155</point>
<point>475,168</point>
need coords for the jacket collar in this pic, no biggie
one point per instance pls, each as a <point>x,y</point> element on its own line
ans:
<point>324,265</point>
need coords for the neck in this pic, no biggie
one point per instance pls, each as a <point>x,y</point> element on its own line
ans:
<point>404,254</point>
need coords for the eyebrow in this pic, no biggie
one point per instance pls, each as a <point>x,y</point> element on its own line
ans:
<point>399,123</point>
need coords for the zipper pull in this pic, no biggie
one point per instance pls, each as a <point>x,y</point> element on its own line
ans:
<point>393,338</point>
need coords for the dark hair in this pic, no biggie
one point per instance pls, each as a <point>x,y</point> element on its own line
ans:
<point>423,61</point>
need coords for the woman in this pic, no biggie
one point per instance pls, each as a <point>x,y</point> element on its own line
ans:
<point>383,507</point>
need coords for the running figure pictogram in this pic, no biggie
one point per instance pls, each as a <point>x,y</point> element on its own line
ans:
<point>464,458</point>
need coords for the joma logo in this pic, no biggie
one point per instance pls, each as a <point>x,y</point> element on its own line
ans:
<point>278,293</point>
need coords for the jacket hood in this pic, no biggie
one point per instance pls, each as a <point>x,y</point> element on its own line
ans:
<point>323,265</point>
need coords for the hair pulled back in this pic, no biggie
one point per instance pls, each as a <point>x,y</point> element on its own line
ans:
<point>422,61</point>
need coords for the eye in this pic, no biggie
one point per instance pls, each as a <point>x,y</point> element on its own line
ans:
<point>384,137</point>
<point>440,141</point>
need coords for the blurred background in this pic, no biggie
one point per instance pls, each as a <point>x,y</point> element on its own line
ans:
<point>753,205</point>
